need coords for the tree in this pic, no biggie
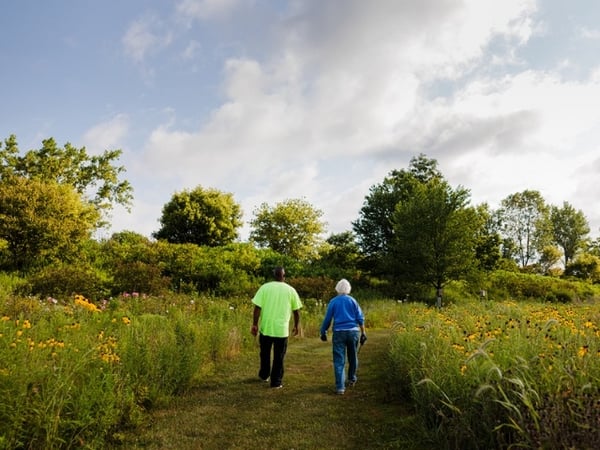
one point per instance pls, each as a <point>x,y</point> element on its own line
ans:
<point>339,256</point>
<point>488,242</point>
<point>200,216</point>
<point>586,266</point>
<point>435,235</point>
<point>94,178</point>
<point>523,223</point>
<point>569,230</point>
<point>291,227</point>
<point>373,228</point>
<point>42,221</point>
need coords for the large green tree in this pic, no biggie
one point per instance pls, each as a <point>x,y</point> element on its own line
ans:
<point>373,228</point>
<point>42,221</point>
<point>96,178</point>
<point>292,227</point>
<point>523,220</point>
<point>570,230</point>
<point>436,233</point>
<point>200,216</point>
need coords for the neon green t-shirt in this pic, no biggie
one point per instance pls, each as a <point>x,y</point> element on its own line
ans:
<point>276,300</point>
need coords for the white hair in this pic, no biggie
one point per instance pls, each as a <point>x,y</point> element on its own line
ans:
<point>343,286</point>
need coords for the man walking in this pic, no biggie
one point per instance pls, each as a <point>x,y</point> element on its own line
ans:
<point>274,304</point>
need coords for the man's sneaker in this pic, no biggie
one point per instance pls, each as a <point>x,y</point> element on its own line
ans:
<point>340,392</point>
<point>352,383</point>
<point>265,380</point>
<point>277,387</point>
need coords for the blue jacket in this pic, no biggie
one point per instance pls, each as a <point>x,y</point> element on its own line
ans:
<point>345,312</point>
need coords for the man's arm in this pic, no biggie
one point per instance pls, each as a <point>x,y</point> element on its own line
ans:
<point>296,322</point>
<point>255,317</point>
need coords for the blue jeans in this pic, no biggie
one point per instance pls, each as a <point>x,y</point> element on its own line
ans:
<point>345,343</point>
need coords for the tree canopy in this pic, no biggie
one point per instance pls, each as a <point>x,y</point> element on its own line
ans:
<point>524,226</point>
<point>292,227</point>
<point>94,177</point>
<point>200,216</point>
<point>41,221</point>
<point>569,230</point>
<point>435,234</point>
<point>373,228</point>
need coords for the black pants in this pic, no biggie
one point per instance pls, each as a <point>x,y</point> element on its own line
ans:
<point>279,347</point>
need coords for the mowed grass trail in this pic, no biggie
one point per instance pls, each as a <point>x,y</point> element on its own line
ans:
<point>235,410</point>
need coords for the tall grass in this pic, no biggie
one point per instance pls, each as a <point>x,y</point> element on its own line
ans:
<point>479,374</point>
<point>487,375</point>
<point>73,374</point>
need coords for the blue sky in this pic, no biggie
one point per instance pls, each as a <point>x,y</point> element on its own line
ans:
<point>319,100</point>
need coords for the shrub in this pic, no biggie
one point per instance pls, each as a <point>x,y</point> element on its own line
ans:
<point>318,288</point>
<point>63,281</point>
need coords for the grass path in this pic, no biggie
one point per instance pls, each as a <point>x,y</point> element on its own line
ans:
<point>235,410</point>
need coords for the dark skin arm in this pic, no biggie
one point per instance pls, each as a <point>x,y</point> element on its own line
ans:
<point>256,316</point>
<point>296,322</point>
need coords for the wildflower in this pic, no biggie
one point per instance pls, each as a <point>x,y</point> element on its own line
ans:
<point>126,320</point>
<point>582,351</point>
<point>85,303</point>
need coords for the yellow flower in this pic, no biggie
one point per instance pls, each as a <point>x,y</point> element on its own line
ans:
<point>126,320</point>
<point>582,351</point>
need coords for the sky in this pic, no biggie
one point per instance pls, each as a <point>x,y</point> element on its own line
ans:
<point>317,100</point>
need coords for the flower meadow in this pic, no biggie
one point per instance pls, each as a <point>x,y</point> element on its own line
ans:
<point>500,375</point>
<point>75,374</point>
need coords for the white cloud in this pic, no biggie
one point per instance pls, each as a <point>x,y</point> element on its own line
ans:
<point>349,88</point>
<point>107,135</point>
<point>206,9</point>
<point>145,36</point>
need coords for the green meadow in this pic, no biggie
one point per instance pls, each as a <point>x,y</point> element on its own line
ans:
<point>179,371</point>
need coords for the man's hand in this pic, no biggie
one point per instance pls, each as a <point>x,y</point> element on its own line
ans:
<point>295,331</point>
<point>324,337</point>
<point>254,330</point>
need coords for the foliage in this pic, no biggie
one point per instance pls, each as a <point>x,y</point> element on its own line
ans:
<point>434,235</point>
<point>229,270</point>
<point>93,177</point>
<point>73,374</point>
<point>506,285</point>
<point>339,257</point>
<point>373,228</point>
<point>586,267</point>
<point>319,288</point>
<point>523,220</point>
<point>200,216</point>
<point>62,280</point>
<point>569,230</point>
<point>291,227</point>
<point>500,375</point>
<point>42,222</point>
<point>488,241</point>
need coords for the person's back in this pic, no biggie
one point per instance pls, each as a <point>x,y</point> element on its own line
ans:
<point>346,313</point>
<point>348,322</point>
<point>277,300</point>
<point>274,304</point>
